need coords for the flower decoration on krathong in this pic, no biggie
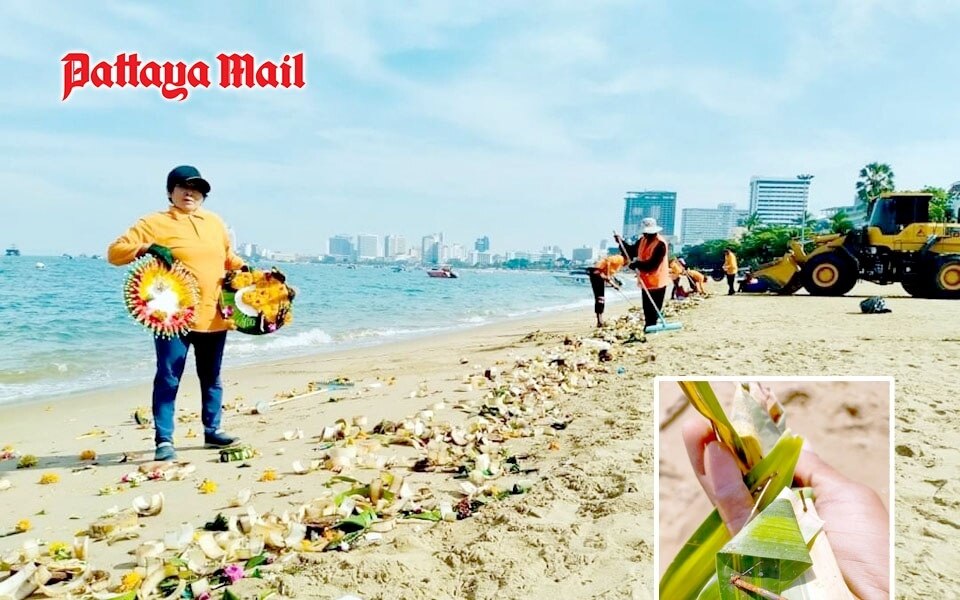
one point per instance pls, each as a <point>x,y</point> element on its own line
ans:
<point>234,572</point>
<point>257,302</point>
<point>162,300</point>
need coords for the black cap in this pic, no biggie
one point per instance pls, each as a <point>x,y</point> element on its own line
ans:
<point>187,176</point>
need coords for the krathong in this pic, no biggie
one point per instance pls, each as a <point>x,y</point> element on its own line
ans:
<point>257,302</point>
<point>162,300</point>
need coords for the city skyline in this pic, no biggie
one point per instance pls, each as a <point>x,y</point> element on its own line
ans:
<point>420,117</point>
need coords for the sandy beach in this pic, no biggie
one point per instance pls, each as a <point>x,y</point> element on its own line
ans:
<point>585,528</point>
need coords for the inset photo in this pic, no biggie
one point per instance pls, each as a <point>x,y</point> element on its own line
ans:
<point>773,488</point>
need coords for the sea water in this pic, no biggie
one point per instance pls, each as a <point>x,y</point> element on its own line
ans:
<point>64,328</point>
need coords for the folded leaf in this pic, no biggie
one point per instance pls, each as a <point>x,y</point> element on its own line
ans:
<point>691,569</point>
<point>769,552</point>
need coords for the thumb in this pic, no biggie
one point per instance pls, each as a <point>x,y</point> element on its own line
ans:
<point>812,471</point>
<point>725,486</point>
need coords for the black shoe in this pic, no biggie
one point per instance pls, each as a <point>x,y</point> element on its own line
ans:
<point>219,439</point>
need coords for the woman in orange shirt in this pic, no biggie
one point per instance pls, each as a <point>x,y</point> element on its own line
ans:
<point>601,273</point>
<point>730,269</point>
<point>697,280</point>
<point>199,240</point>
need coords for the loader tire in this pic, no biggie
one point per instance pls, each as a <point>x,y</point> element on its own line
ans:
<point>829,274</point>
<point>917,287</point>
<point>946,280</point>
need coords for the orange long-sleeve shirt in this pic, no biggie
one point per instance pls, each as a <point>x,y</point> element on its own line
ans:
<point>199,240</point>
<point>730,263</point>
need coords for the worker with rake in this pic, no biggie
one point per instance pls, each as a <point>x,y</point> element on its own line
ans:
<point>648,257</point>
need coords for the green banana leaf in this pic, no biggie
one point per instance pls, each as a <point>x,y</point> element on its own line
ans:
<point>768,552</point>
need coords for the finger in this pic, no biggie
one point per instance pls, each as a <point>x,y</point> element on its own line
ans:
<point>812,471</point>
<point>726,487</point>
<point>697,433</point>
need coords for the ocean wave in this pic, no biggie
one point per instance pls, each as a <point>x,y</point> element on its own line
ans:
<point>237,345</point>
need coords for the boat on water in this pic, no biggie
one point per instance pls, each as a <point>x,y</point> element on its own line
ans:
<point>443,273</point>
<point>40,266</point>
<point>13,250</point>
<point>576,277</point>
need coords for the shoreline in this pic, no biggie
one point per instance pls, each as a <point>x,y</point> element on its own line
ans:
<point>235,374</point>
<point>256,359</point>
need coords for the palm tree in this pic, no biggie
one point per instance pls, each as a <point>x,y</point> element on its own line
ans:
<point>874,179</point>
<point>840,222</point>
<point>752,222</point>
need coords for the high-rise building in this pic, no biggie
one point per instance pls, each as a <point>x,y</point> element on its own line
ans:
<point>704,224</point>
<point>482,244</point>
<point>638,206</point>
<point>430,249</point>
<point>583,255</point>
<point>368,246</point>
<point>457,252</point>
<point>779,200</point>
<point>341,245</point>
<point>394,245</point>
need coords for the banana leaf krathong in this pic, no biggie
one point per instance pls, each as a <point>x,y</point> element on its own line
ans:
<point>771,554</point>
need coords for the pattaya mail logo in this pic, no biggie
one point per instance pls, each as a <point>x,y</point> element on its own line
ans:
<point>176,79</point>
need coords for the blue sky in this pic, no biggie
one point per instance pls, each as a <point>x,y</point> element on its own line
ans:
<point>526,121</point>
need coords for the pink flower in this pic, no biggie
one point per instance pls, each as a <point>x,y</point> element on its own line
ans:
<point>204,596</point>
<point>234,573</point>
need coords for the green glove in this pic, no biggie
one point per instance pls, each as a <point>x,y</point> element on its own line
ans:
<point>162,253</point>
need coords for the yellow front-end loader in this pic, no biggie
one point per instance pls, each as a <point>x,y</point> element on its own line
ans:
<point>898,245</point>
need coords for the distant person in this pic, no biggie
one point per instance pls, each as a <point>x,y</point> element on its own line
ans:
<point>698,281</point>
<point>196,237</point>
<point>604,272</point>
<point>676,272</point>
<point>730,268</point>
<point>648,257</point>
<point>752,285</point>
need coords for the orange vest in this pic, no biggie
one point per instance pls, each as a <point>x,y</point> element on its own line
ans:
<point>659,276</point>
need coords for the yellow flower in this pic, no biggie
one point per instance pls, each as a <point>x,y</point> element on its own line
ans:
<point>23,525</point>
<point>60,550</point>
<point>88,455</point>
<point>131,581</point>
<point>207,487</point>
<point>26,461</point>
<point>269,475</point>
<point>49,478</point>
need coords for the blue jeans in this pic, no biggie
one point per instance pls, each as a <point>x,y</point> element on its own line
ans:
<point>171,359</point>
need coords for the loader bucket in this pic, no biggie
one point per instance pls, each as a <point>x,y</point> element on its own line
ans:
<point>783,275</point>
